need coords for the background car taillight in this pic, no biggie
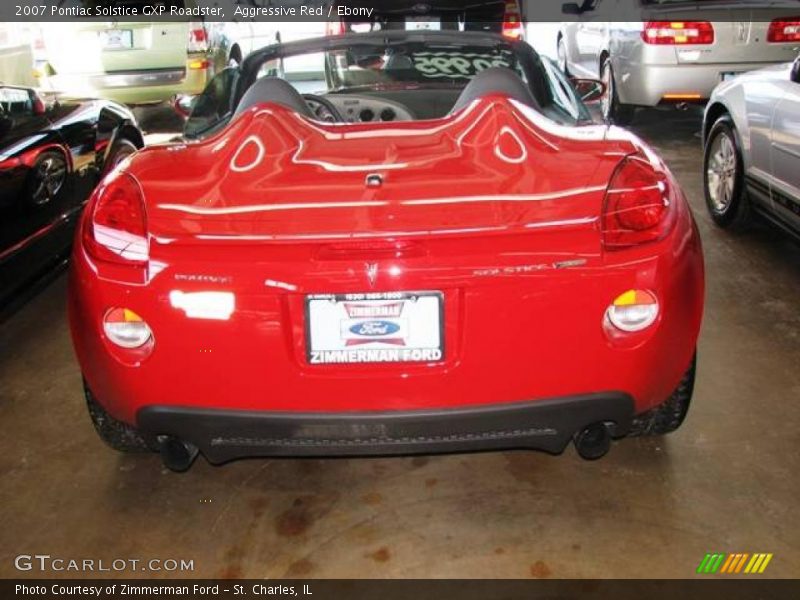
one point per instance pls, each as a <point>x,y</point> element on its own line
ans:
<point>678,33</point>
<point>784,30</point>
<point>198,38</point>
<point>115,231</point>
<point>512,21</point>
<point>637,207</point>
<point>126,329</point>
<point>334,28</point>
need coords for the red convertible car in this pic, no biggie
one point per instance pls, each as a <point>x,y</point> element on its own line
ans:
<point>436,251</point>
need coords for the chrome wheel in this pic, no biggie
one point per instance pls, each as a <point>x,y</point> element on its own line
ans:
<point>721,172</point>
<point>49,174</point>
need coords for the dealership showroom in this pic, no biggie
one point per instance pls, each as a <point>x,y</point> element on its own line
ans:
<point>422,290</point>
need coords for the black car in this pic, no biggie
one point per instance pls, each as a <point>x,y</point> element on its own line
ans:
<point>52,154</point>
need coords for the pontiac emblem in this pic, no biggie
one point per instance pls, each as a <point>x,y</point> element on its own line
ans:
<point>372,273</point>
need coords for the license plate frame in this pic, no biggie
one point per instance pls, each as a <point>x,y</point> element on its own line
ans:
<point>375,328</point>
<point>423,24</point>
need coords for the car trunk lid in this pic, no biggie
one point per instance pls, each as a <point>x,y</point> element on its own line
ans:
<point>274,176</point>
<point>740,31</point>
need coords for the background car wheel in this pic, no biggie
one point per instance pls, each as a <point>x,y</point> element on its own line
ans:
<point>121,150</point>
<point>667,417</point>
<point>118,435</point>
<point>47,178</point>
<point>562,56</point>
<point>723,177</point>
<point>613,111</point>
<point>235,58</point>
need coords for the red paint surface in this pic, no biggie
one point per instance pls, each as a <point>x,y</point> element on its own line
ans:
<point>457,211</point>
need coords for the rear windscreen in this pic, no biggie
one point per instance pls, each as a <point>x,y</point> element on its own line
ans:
<point>373,65</point>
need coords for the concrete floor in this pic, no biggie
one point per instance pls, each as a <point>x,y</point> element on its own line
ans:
<point>726,482</point>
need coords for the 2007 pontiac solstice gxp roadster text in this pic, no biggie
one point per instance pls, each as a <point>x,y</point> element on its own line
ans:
<point>438,252</point>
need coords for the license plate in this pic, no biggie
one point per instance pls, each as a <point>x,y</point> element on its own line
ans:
<point>422,24</point>
<point>116,39</point>
<point>395,327</point>
<point>728,75</point>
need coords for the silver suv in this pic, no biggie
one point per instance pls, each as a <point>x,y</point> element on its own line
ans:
<point>654,58</point>
<point>752,149</point>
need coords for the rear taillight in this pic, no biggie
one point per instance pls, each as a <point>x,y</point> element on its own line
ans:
<point>633,311</point>
<point>334,28</point>
<point>678,33</point>
<point>512,21</point>
<point>784,30</point>
<point>199,64</point>
<point>39,107</point>
<point>116,229</point>
<point>125,328</point>
<point>198,38</point>
<point>637,207</point>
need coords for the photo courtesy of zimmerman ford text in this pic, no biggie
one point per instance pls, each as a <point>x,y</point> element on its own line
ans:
<point>373,299</point>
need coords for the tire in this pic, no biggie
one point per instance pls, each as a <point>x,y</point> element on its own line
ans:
<point>235,57</point>
<point>120,436</point>
<point>121,150</point>
<point>562,56</point>
<point>668,416</point>
<point>46,179</point>
<point>723,177</point>
<point>613,110</point>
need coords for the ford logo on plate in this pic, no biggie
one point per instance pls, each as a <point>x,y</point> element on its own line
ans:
<point>375,328</point>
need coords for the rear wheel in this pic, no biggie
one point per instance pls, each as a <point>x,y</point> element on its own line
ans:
<point>667,417</point>
<point>120,436</point>
<point>235,57</point>
<point>613,110</point>
<point>121,150</point>
<point>723,177</point>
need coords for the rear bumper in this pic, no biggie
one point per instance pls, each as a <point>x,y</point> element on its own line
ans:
<point>548,425</point>
<point>134,87</point>
<point>138,78</point>
<point>649,85</point>
<point>509,339</point>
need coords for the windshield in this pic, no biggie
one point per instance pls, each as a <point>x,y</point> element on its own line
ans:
<point>415,65</point>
